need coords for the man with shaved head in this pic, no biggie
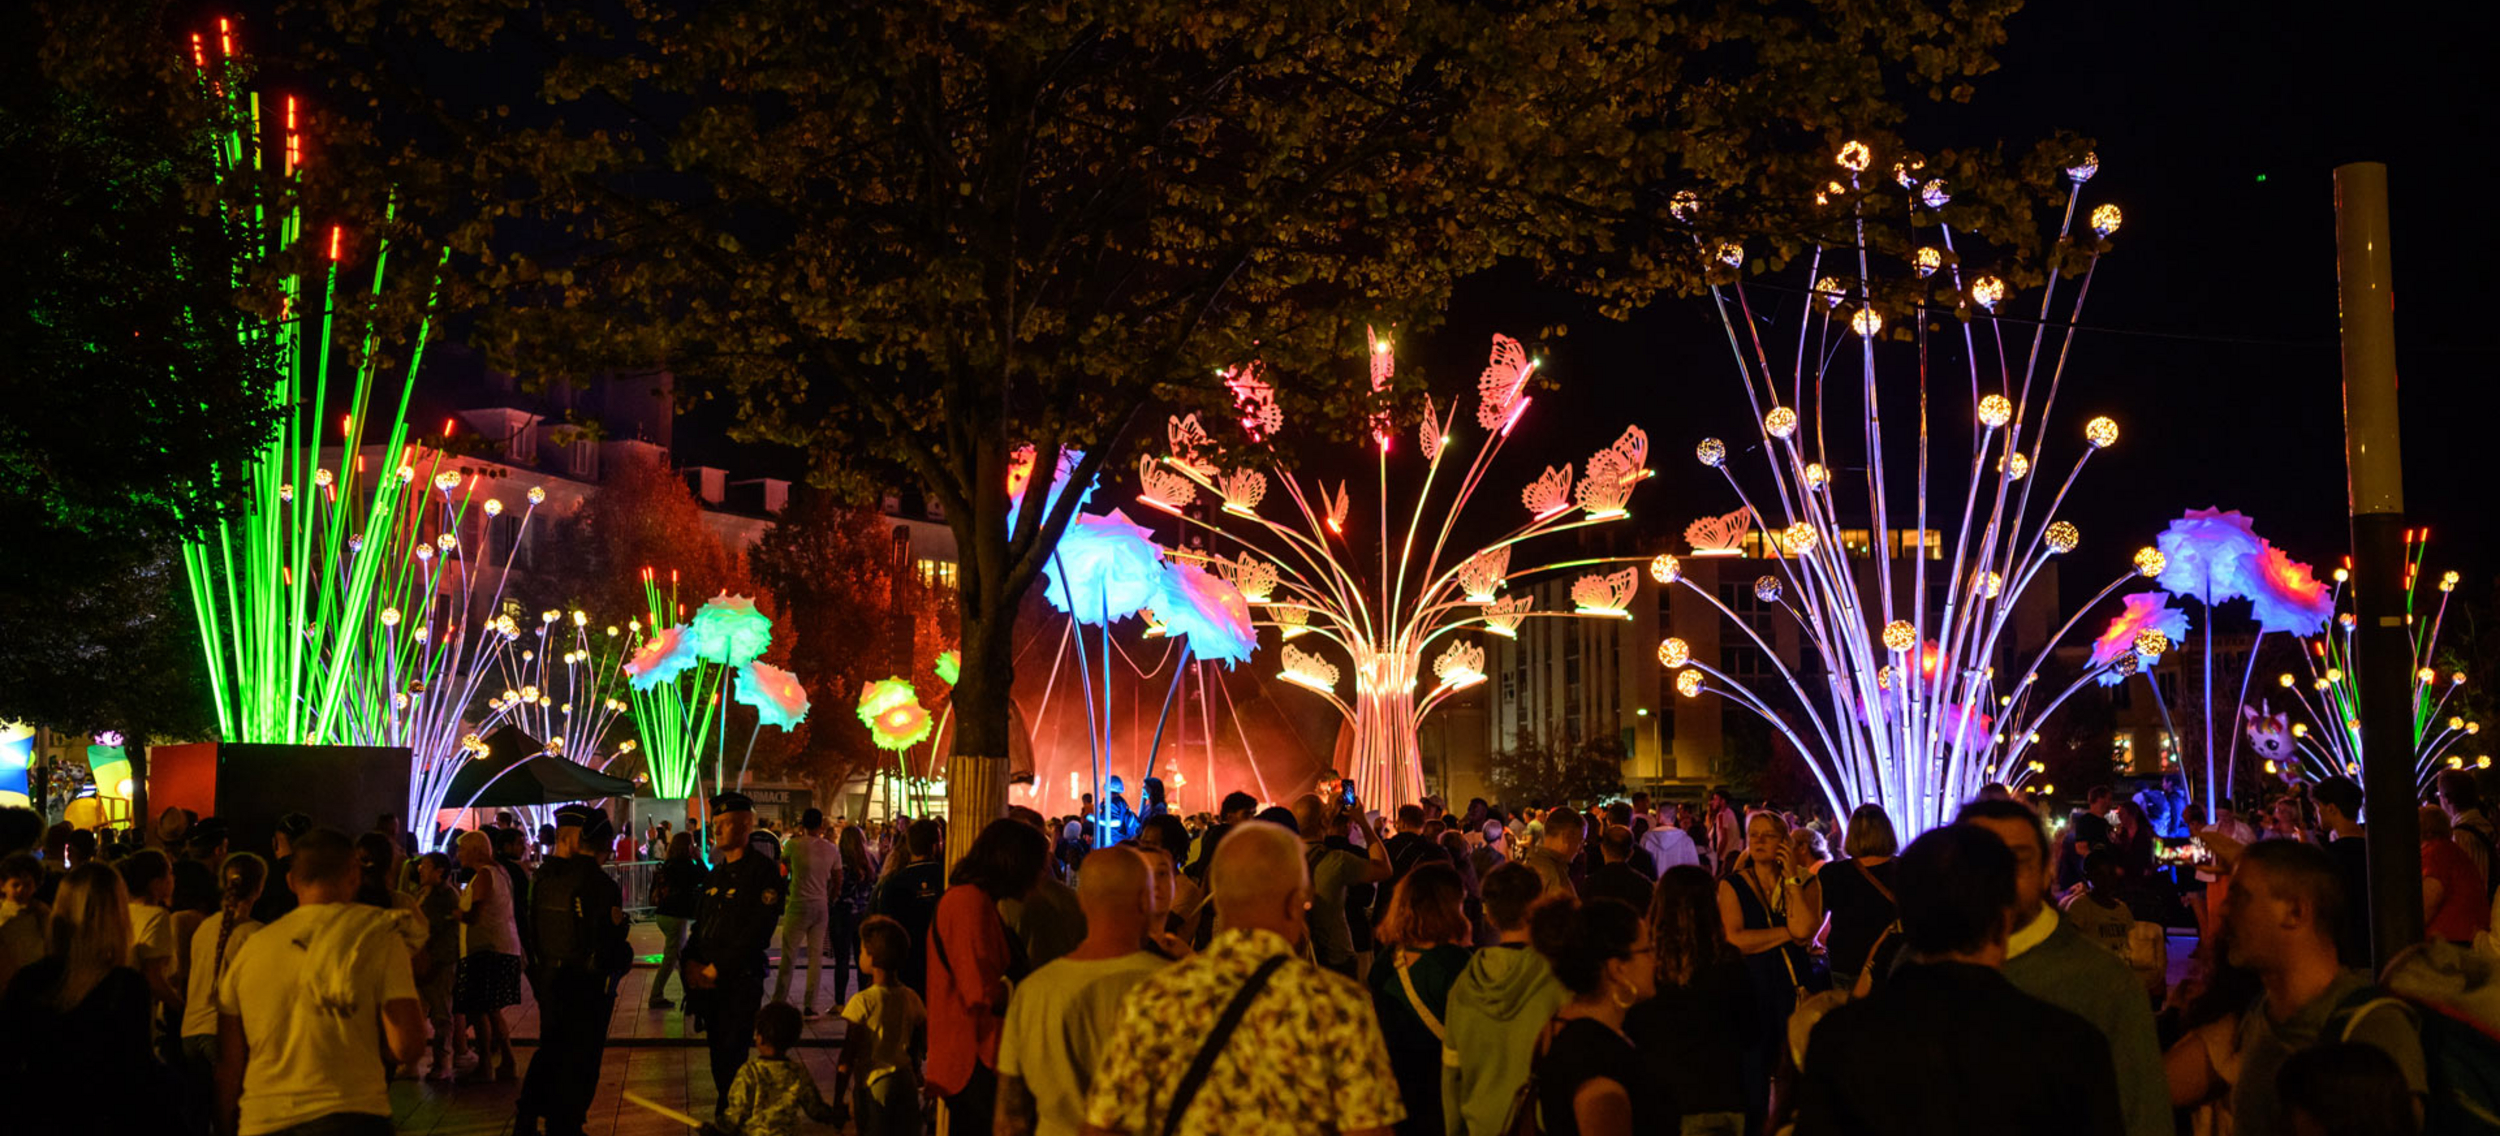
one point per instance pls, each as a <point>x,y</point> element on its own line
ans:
<point>1246,1021</point>
<point>1063,1014</point>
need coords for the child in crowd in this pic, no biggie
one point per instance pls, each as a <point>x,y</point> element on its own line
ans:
<point>887,1035</point>
<point>21,916</point>
<point>440,961</point>
<point>2095,910</point>
<point>772,1090</point>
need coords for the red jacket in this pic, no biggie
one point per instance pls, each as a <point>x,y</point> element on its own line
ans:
<point>967,986</point>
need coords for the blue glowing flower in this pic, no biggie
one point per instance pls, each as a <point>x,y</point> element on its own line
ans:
<point>1104,569</point>
<point>729,630</point>
<point>2208,555</point>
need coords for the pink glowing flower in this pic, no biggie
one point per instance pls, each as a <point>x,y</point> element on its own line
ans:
<point>2207,555</point>
<point>2146,611</point>
<point>778,698</point>
<point>662,657</point>
<point>1209,610</point>
<point>2284,595</point>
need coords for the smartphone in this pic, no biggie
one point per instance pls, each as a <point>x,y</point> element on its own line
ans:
<point>1345,793</point>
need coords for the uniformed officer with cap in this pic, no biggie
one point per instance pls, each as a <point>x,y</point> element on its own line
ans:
<point>734,920</point>
<point>579,923</point>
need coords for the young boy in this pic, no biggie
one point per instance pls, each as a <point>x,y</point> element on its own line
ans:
<point>440,903</point>
<point>21,918</point>
<point>888,1031</point>
<point>772,1090</point>
<point>2095,910</point>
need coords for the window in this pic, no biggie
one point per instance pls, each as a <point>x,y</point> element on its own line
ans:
<point>2122,752</point>
<point>2122,696</point>
<point>1744,661</point>
<point>2169,681</point>
<point>523,445</point>
<point>937,573</point>
<point>1571,683</point>
<point>581,459</point>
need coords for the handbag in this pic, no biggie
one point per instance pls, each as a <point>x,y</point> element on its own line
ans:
<point>1213,1046</point>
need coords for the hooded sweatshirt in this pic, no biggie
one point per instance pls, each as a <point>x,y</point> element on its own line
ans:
<point>1497,1009</point>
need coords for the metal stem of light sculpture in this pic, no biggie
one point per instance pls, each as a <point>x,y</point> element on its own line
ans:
<point>285,593</point>
<point>1886,724</point>
<point>2330,742</point>
<point>1415,593</point>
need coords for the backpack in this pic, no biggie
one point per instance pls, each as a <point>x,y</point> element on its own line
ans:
<point>2452,995</point>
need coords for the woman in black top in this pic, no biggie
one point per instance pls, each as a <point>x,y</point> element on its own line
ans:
<point>676,889</point>
<point>1693,1033</point>
<point>1589,1079</point>
<point>1857,894</point>
<point>1771,917</point>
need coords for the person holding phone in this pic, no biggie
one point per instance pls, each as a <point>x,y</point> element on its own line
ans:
<point>1336,868</point>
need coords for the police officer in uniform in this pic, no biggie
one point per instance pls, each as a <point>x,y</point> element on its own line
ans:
<point>578,921</point>
<point>734,921</point>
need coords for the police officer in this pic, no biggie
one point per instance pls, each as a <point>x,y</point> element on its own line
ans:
<point>733,924</point>
<point>578,918</point>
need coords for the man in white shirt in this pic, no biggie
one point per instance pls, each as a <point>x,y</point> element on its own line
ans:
<point>815,877</point>
<point>1064,1013</point>
<point>302,1002</point>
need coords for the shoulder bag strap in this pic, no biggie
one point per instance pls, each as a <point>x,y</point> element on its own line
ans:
<point>1213,1047</point>
<point>1877,884</point>
<point>1431,1020</point>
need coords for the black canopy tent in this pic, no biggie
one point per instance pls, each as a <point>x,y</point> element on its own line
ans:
<point>517,770</point>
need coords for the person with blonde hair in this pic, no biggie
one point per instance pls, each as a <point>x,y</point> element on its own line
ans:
<point>1771,914</point>
<point>74,1023</point>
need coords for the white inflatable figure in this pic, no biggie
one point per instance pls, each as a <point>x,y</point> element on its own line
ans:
<point>2270,738</point>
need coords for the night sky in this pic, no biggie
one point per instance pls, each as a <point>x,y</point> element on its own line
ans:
<point>2213,323</point>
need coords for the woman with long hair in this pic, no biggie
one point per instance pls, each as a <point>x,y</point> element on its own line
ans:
<point>1694,1031</point>
<point>859,885</point>
<point>1857,894</point>
<point>74,1023</point>
<point>1424,939</point>
<point>970,957</point>
<point>1588,1074</point>
<point>1770,915</point>
<point>239,882</point>
<point>490,962</point>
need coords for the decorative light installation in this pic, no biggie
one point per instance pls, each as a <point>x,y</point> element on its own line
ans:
<point>290,594</point>
<point>891,710</point>
<point>1921,739</point>
<point>677,675</point>
<point>2327,693</point>
<point>1386,610</point>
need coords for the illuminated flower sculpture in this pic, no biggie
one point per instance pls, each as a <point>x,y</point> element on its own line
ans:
<point>1208,611</point>
<point>2145,611</point>
<point>728,630</point>
<point>1387,595</point>
<point>2445,735</point>
<point>891,710</point>
<point>2207,555</point>
<point>2284,595</point>
<point>2214,557</point>
<point>776,695</point>
<point>663,656</point>
<point>1104,569</point>
<point>1871,726</point>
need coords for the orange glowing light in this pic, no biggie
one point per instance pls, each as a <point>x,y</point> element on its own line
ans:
<point>337,233</point>
<point>225,36</point>
<point>199,51</point>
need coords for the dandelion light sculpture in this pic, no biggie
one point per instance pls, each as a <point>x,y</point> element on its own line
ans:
<point>1923,698</point>
<point>2326,691</point>
<point>676,686</point>
<point>1421,593</point>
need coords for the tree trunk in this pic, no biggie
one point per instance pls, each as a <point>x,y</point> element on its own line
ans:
<point>976,772</point>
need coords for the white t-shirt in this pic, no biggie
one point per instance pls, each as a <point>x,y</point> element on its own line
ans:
<point>151,936</point>
<point>199,1004</point>
<point>306,1061</point>
<point>891,1014</point>
<point>812,860</point>
<point>1063,1012</point>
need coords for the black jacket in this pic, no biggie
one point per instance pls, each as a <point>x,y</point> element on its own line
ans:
<point>1954,1047</point>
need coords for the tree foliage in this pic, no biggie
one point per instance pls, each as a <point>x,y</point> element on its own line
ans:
<point>1535,769</point>
<point>644,516</point>
<point>911,237</point>
<point>851,611</point>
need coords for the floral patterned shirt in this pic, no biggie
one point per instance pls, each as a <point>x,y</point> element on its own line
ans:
<point>1307,1058</point>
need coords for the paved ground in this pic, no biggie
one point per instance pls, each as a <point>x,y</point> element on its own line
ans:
<point>650,1053</point>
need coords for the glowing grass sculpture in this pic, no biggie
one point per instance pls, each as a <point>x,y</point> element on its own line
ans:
<point>289,595</point>
<point>1921,704</point>
<point>1388,610</point>
<point>2327,694</point>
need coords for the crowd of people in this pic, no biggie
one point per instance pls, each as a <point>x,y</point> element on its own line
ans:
<point>1314,966</point>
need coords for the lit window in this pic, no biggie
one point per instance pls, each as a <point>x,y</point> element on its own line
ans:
<point>937,573</point>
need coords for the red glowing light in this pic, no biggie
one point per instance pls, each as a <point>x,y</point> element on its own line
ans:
<point>199,51</point>
<point>225,37</point>
<point>447,433</point>
<point>347,425</point>
<point>337,233</point>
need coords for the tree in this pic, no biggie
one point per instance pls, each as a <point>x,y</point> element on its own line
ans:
<point>1534,769</point>
<point>917,237</point>
<point>644,517</point>
<point>132,401</point>
<point>851,612</point>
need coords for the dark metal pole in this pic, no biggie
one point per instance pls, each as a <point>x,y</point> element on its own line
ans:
<point>2383,652</point>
